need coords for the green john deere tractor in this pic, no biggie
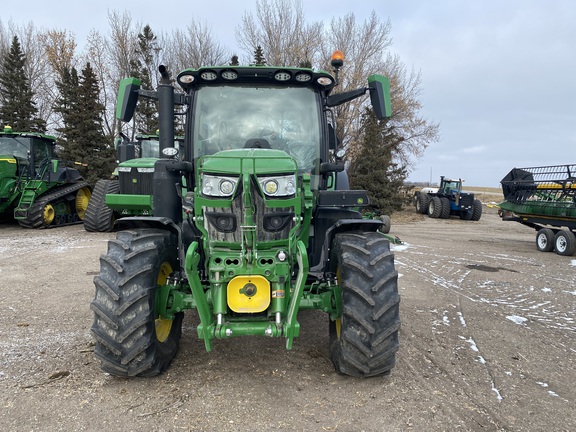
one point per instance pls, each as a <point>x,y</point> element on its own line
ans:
<point>252,226</point>
<point>129,192</point>
<point>36,189</point>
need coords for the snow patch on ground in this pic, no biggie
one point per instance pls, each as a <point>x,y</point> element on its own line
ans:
<point>517,319</point>
<point>400,248</point>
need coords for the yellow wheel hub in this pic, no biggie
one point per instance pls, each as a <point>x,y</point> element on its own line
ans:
<point>82,199</point>
<point>49,214</point>
<point>163,326</point>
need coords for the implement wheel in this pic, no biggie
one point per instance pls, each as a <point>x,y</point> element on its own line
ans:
<point>131,338</point>
<point>565,243</point>
<point>545,240</point>
<point>364,341</point>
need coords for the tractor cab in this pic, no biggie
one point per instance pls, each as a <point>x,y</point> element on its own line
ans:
<point>27,149</point>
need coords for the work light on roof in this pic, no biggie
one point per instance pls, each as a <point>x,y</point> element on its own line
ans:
<point>303,77</point>
<point>229,75</point>
<point>208,75</point>
<point>325,81</point>
<point>282,76</point>
<point>186,79</point>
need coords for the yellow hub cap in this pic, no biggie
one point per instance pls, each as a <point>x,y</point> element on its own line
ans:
<point>82,199</point>
<point>163,326</point>
<point>49,214</point>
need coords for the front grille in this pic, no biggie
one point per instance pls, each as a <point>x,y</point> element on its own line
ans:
<point>261,213</point>
<point>135,183</point>
<point>466,201</point>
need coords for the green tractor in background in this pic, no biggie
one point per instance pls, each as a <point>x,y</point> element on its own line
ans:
<point>36,189</point>
<point>128,192</point>
<point>254,224</point>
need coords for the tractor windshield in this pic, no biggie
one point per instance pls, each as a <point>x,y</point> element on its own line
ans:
<point>284,118</point>
<point>150,148</point>
<point>17,147</point>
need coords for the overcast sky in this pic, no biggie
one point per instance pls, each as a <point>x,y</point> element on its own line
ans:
<point>498,76</point>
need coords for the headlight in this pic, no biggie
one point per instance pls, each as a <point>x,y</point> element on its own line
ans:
<point>278,186</point>
<point>216,186</point>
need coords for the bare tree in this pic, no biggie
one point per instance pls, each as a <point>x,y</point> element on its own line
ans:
<point>36,68</point>
<point>59,47</point>
<point>98,56</point>
<point>193,48</point>
<point>366,50</point>
<point>280,29</point>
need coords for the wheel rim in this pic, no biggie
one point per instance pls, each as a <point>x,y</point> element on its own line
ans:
<point>49,214</point>
<point>163,326</point>
<point>542,241</point>
<point>561,244</point>
<point>82,199</point>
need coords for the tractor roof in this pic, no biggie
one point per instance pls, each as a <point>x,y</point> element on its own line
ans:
<point>8,132</point>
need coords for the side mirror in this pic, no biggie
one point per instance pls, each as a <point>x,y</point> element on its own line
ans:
<point>127,98</point>
<point>380,96</point>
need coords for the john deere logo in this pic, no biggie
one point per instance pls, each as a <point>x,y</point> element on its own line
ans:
<point>134,180</point>
<point>360,201</point>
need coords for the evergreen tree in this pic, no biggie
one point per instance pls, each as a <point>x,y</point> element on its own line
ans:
<point>83,137</point>
<point>374,168</point>
<point>259,59</point>
<point>17,107</point>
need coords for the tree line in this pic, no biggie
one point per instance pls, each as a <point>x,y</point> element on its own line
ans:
<point>47,84</point>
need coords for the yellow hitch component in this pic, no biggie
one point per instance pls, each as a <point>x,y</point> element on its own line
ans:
<point>248,294</point>
<point>9,160</point>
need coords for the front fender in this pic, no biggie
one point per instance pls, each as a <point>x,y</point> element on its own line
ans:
<point>343,225</point>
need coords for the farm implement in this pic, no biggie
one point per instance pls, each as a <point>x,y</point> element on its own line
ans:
<point>543,198</point>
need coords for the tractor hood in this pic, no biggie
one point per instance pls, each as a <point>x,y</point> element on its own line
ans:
<point>253,161</point>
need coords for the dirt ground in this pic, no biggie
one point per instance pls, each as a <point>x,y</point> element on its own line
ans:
<point>488,342</point>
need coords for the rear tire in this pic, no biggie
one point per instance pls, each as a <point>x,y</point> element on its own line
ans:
<point>364,341</point>
<point>565,243</point>
<point>435,207</point>
<point>545,240</point>
<point>99,217</point>
<point>131,339</point>
<point>422,203</point>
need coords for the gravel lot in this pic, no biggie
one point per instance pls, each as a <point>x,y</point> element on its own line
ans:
<point>488,343</point>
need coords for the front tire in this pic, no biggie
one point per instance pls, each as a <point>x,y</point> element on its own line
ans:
<point>364,341</point>
<point>477,210</point>
<point>435,207</point>
<point>131,338</point>
<point>445,213</point>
